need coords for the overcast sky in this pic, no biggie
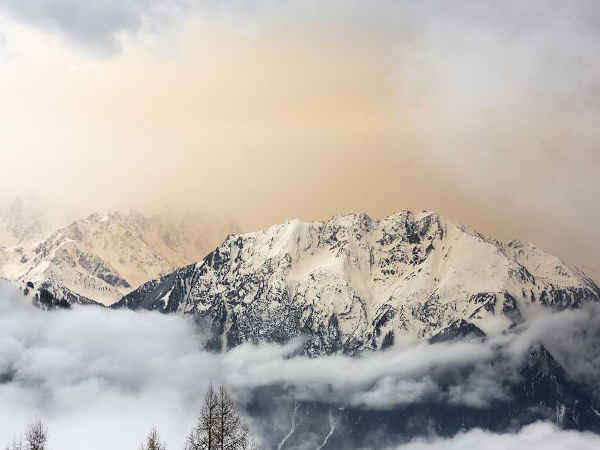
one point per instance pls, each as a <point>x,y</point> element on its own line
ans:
<point>486,112</point>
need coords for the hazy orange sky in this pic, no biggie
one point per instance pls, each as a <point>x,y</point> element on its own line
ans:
<point>302,109</point>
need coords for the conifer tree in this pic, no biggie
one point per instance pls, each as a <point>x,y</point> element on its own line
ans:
<point>203,436</point>
<point>36,436</point>
<point>219,426</point>
<point>232,433</point>
<point>153,441</point>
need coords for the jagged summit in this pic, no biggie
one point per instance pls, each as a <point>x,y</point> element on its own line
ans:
<point>105,255</point>
<point>353,283</point>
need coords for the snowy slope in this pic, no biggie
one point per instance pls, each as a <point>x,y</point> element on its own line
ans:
<point>104,256</point>
<point>353,283</point>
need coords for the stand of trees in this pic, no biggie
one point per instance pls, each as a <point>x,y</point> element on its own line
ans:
<point>218,427</point>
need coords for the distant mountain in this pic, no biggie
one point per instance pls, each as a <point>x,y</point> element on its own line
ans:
<point>23,221</point>
<point>104,256</point>
<point>354,283</point>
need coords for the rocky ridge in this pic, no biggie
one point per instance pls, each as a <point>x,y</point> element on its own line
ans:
<point>354,283</point>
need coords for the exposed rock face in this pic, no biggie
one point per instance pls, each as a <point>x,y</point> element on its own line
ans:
<point>354,283</point>
<point>460,329</point>
<point>47,299</point>
<point>102,257</point>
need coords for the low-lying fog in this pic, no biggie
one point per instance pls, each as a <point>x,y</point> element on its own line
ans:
<point>101,378</point>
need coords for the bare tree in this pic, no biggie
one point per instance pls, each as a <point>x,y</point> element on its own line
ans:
<point>36,436</point>
<point>203,436</point>
<point>219,426</point>
<point>153,441</point>
<point>232,433</point>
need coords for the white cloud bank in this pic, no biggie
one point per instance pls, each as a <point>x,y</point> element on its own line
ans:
<point>536,436</point>
<point>102,378</point>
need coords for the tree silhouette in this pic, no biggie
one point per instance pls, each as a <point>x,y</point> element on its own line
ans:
<point>202,437</point>
<point>232,433</point>
<point>36,436</point>
<point>219,426</point>
<point>153,441</point>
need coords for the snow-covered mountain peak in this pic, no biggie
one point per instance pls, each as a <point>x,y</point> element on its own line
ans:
<point>353,282</point>
<point>104,255</point>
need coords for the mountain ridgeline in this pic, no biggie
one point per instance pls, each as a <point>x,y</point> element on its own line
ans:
<point>354,283</point>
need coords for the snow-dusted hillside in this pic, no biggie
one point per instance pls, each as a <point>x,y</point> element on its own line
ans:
<point>104,256</point>
<point>355,283</point>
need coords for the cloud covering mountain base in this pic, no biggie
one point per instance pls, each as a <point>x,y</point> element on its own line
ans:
<point>102,378</point>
